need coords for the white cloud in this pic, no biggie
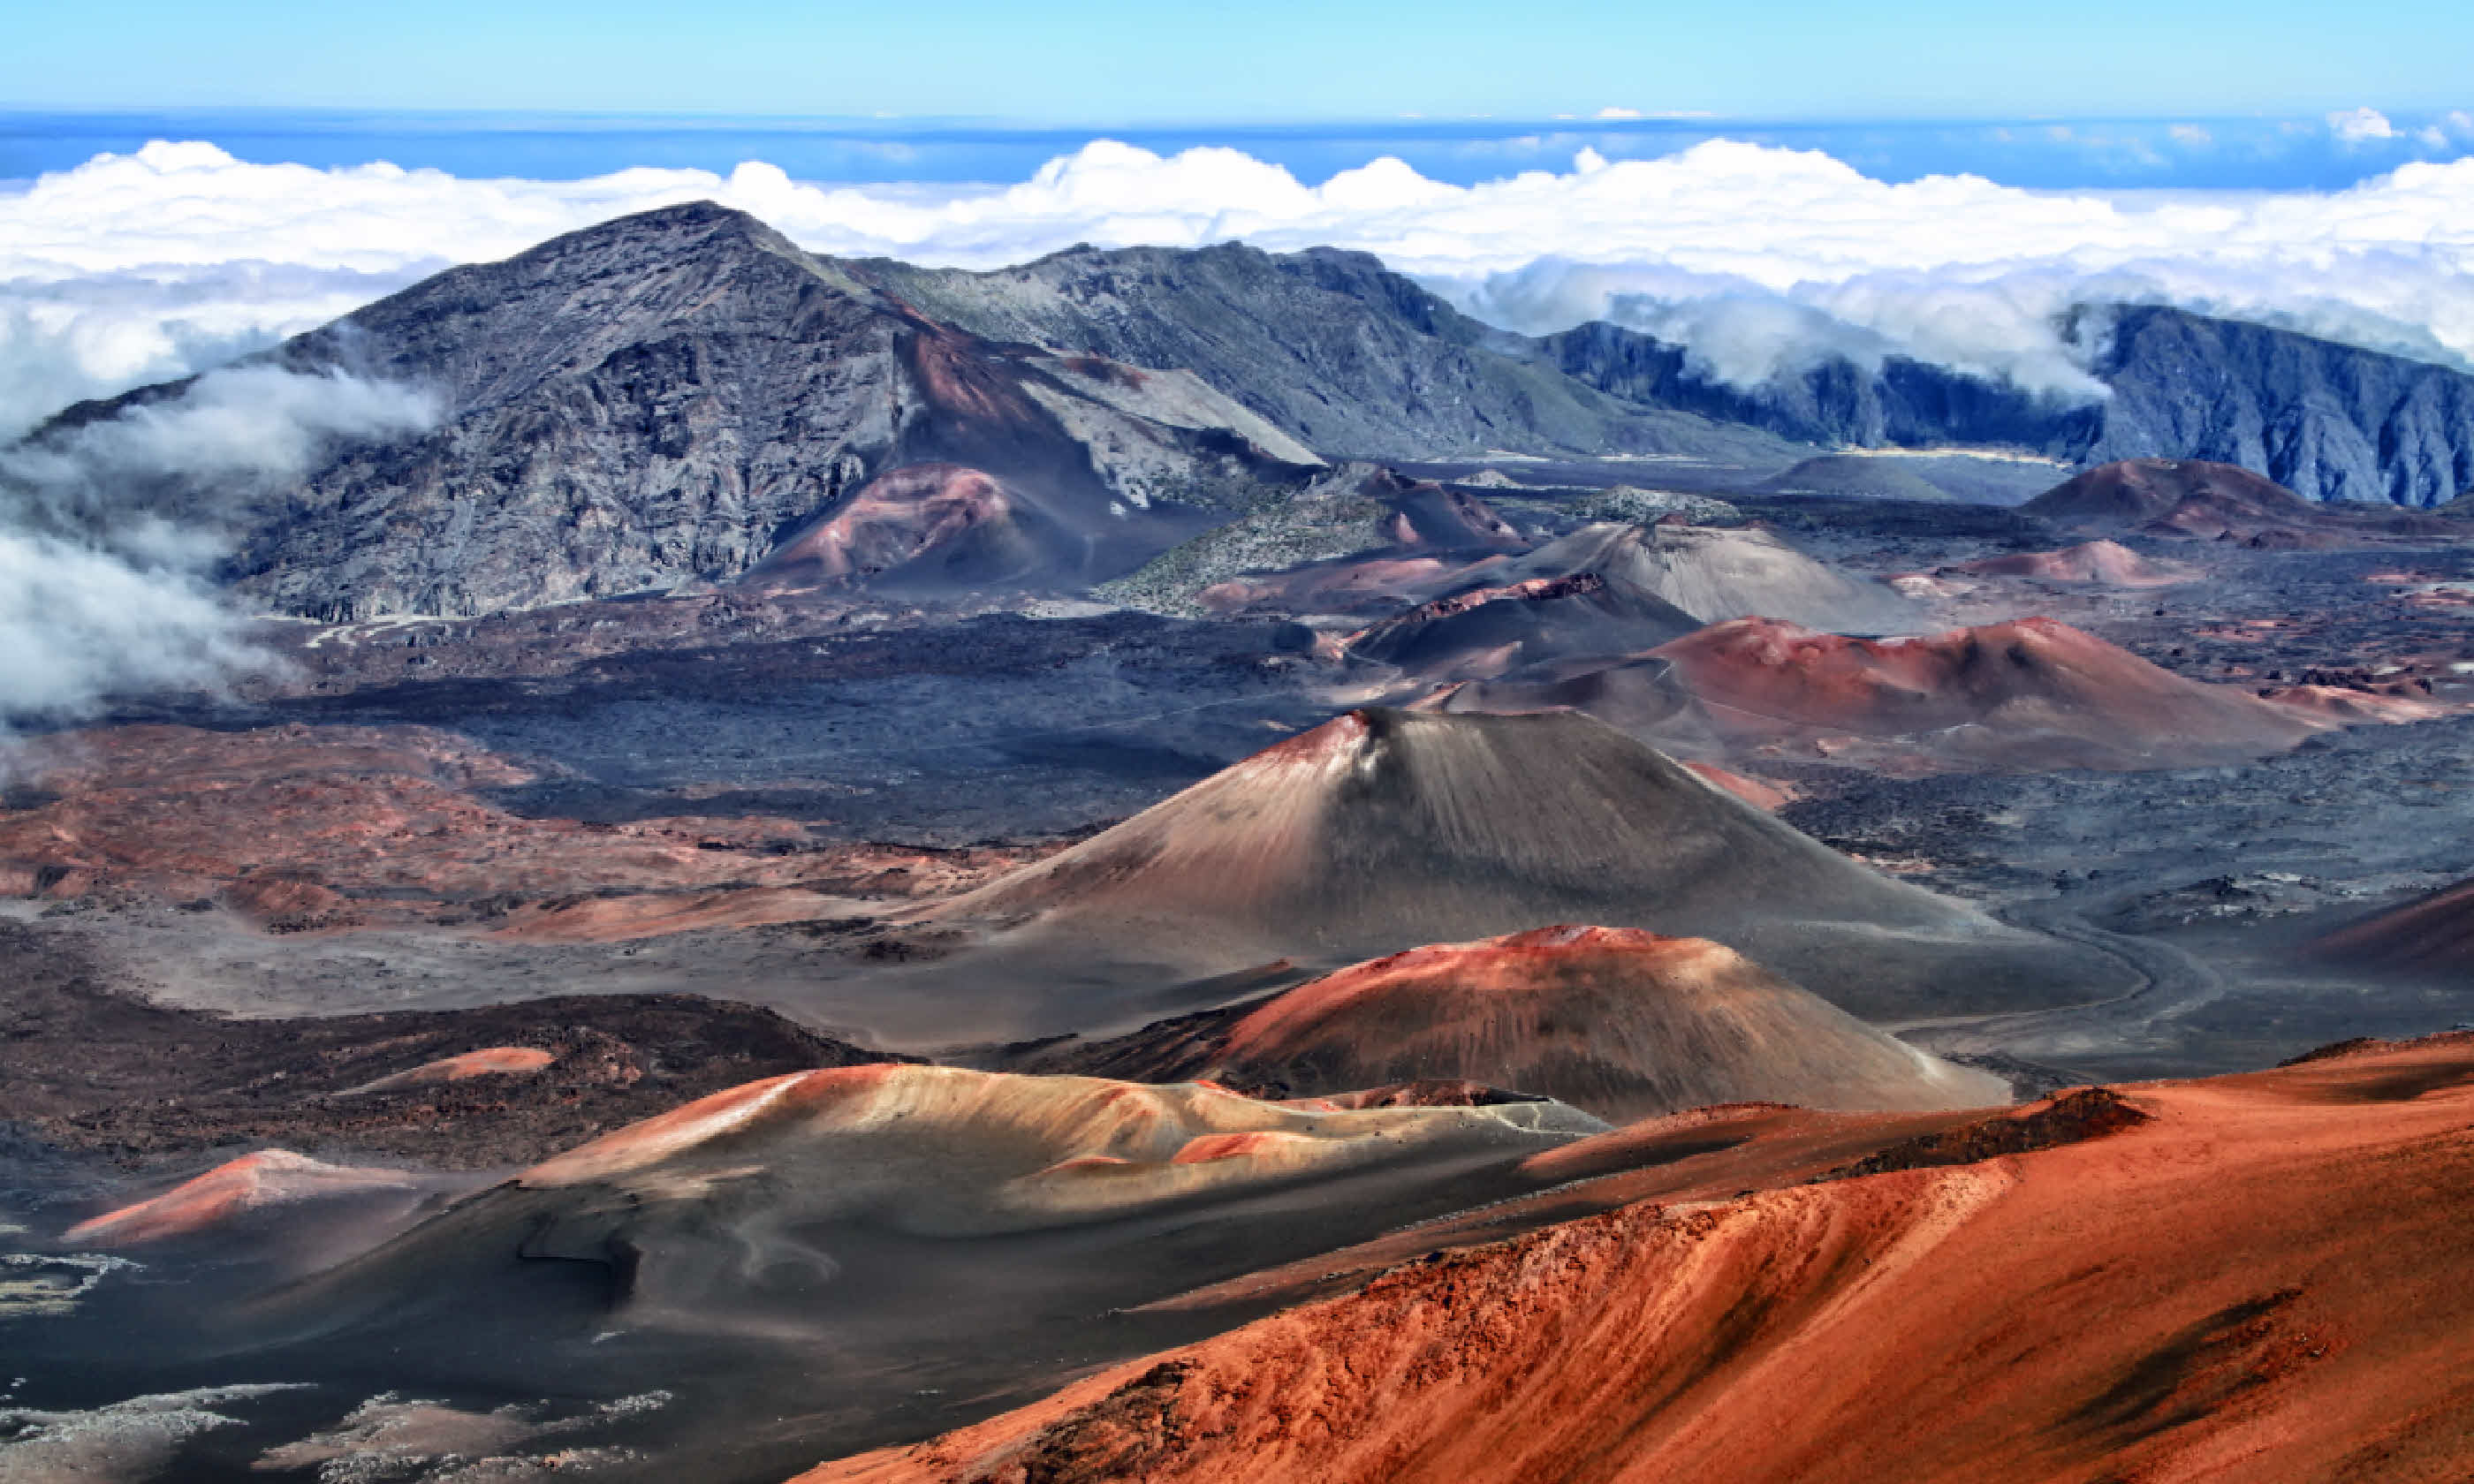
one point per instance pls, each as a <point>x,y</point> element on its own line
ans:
<point>130,266</point>
<point>1611,112</point>
<point>2361,126</point>
<point>99,593</point>
<point>2190,136</point>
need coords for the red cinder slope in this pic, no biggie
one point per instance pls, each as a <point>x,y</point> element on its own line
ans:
<point>1617,1022</point>
<point>930,515</point>
<point>2029,693</point>
<point>271,1177</point>
<point>2262,1283</point>
<point>2436,932</point>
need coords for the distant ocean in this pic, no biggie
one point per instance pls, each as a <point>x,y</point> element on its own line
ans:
<point>2196,153</point>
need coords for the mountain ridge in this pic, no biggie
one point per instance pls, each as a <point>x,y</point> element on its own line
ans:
<point>663,398</point>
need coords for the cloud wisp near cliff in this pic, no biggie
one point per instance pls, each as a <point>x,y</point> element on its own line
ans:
<point>99,594</point>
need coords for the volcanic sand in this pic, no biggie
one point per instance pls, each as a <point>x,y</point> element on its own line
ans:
<point>2263,1281</point>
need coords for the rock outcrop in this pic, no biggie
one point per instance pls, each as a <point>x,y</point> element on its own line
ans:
<point>1349,357</point>
<point>2336,422</point>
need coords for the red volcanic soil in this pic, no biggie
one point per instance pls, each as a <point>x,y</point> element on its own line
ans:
<point>271,1177</point>
<point>1616,1021</point>
<point>2193,497</point>
<point>2029,693</point>
<point>2134,492</point>
<point>909,514</point>
<point>311,827</point>
<point>1761,793</point>
<point>2433,932</point>
<point>2260,1282</point>
<point>2103,564</point>
<point>488,1062</point>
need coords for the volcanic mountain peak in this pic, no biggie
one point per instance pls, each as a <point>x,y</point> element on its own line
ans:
<point>1619,1021</point>
<point>270,1177</point>
<point>1348,356</point>
<point>1386,827</point>
<point>651,400</point>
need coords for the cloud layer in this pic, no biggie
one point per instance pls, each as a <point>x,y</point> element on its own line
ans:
<point>133,267</point>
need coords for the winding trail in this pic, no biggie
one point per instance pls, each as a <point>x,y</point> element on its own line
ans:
<point>2169,983</point>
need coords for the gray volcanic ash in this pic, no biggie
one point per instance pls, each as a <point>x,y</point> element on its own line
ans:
<point>1716,573</point>
<point>1644,696</point>
<point>798,1189</point>
<point>1620,1022</point>
<point>1483,631</point>
<point>1383,827</point>
<point>1355,538</point>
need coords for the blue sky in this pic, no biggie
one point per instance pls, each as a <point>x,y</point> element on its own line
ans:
<point>1100,61</point>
